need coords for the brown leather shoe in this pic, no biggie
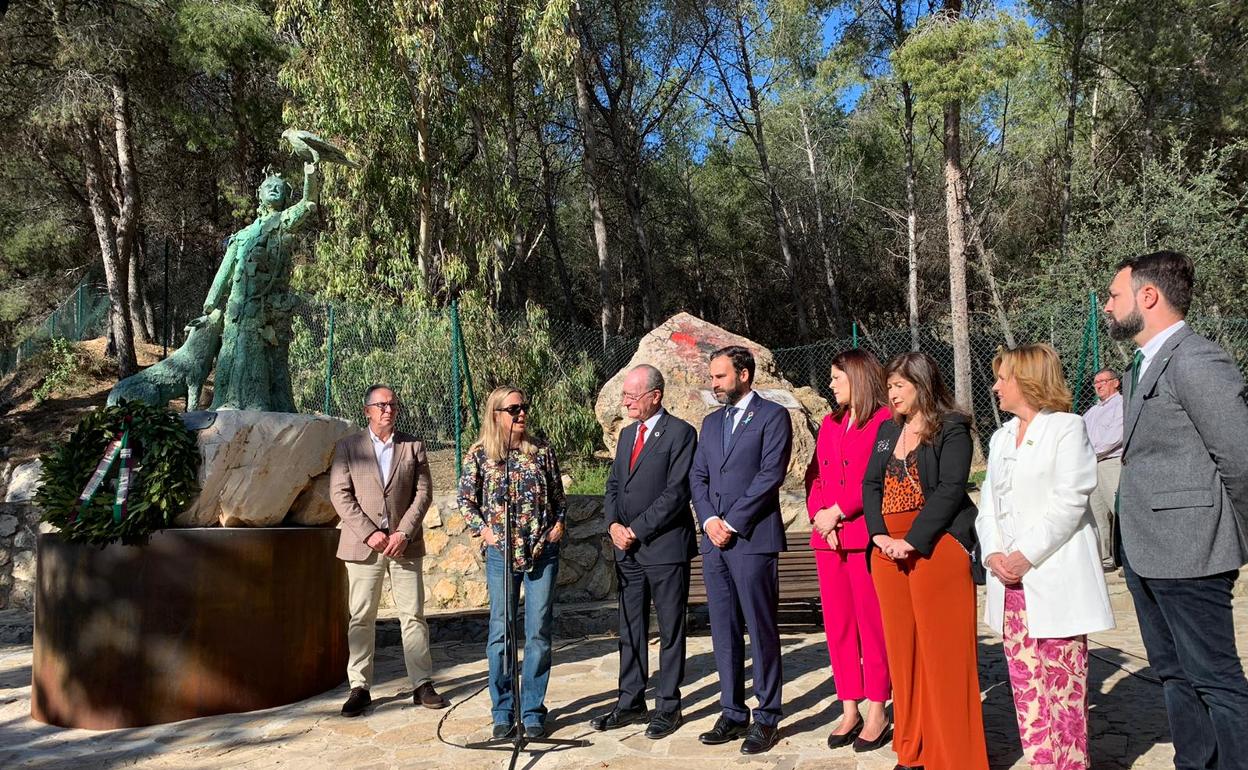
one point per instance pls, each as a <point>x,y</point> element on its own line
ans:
<point>428,697</point>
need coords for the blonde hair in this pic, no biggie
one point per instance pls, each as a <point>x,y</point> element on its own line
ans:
<point>493,439</point>
<point>1038,370</point>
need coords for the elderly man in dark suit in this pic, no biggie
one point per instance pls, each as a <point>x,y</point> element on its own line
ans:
<point>651,527</point>
<point>1183,507</point>
<point>741,461</point>
<point>381,487</point>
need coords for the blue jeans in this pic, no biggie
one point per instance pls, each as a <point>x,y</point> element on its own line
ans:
<point>539,613</point>
<point>1189,632</point>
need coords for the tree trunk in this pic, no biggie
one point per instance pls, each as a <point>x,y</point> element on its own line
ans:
<point>136,301</point>
<point>1076,36</point>
<point>959,314</point>
<point>552,226</point>
<point>590,169</point>
<point>758,135</point>
<point>985,263</point>
<point>912,217</point>
<point>829,277</point>
<point>955,183</point>
<point>116,267</point>
<point>649,286</point>
<point>128,204</point>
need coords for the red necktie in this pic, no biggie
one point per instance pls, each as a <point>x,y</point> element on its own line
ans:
<point>641,440</point>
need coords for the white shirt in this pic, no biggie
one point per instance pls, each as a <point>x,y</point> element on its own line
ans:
<point>741,407</point>
<point>1151,347</point>
<point>653,421</point>
<point>1103,421</point>
<point>384,452</point>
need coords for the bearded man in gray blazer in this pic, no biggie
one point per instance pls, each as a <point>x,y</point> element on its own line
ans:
<point>1183,507</point>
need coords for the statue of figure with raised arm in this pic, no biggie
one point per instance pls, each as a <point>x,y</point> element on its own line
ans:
<point>248,309</point>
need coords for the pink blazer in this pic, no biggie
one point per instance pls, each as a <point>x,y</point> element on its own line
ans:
<point>835,473</point>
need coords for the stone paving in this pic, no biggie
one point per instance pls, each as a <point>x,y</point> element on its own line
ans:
<point>1128,720</point>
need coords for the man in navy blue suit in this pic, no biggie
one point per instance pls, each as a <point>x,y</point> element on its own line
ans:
<point>741,460</point>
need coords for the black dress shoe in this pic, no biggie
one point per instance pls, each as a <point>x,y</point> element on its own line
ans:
<point>880,742</point>
<point>664,723</point>
<point>760,738</point>
<point>535,731</point>
<point>907,767</point>
<point>836,741</point>
<point>357,702</point>
<point>724,730</point>
<point>617,717</point>
<point>428,697</point>
<point>503,731</point>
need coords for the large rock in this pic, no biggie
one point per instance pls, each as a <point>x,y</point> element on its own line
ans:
<point>24,482</point>
<point>680,347</point>
<point>255,465</point>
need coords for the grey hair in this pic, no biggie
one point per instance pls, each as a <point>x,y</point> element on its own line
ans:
<point>654,378</point>
<point>374,388</point>
<point>1108,371</point>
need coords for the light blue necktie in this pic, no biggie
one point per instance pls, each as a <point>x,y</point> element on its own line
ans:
<point>730,414</point>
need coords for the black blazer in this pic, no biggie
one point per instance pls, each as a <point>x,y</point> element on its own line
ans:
<point>944,466</point>
<point>653,498</point>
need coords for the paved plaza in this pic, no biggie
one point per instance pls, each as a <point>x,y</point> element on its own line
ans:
<point>1128,721</point>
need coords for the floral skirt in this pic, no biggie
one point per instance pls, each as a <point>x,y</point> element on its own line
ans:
<point>1049,678</point>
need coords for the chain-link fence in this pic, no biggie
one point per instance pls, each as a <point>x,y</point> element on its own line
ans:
<point>443,363</point>
<point>1078,333</point>
<point>82,315</point>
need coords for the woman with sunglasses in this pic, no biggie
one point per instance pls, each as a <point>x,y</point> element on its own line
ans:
<point>507,472</point>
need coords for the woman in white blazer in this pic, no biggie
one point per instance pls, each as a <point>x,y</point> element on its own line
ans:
<point>1046,590</point>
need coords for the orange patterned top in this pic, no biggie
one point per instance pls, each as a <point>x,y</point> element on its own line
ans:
<point>902,491</point>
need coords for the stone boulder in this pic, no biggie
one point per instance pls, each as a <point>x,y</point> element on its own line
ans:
<point>24,482</point>
<point>680,348</point>
<point>263,469</point>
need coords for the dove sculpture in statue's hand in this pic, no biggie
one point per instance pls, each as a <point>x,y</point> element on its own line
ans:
<point>313,149</point>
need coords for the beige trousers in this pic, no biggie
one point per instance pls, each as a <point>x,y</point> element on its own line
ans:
<point>1103,501</point>
<point>407,587</point>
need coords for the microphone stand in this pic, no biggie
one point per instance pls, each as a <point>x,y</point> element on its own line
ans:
<point>511,667</point>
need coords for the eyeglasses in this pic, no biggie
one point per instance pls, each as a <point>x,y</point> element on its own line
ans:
<point>515,409</point>
<point>386,406</point>
<point>636,396</point>
<point>1104,382</point>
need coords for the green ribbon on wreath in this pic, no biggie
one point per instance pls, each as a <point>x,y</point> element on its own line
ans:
<point>117,448</point>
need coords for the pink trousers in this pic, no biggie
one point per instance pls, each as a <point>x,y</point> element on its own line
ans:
<point>1049,678</point>
<point>851,618</point>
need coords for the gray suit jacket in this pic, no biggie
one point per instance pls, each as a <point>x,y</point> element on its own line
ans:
<point>1183,497</point>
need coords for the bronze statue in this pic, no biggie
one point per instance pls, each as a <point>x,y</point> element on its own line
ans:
<point>249,305</point>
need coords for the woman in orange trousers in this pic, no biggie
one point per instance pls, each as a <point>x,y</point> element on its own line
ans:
<point>922,527</point>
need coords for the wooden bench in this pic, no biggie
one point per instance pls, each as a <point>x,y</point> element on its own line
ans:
<point>799,581</point>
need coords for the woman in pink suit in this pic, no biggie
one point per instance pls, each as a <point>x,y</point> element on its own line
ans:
<point>851,612</point>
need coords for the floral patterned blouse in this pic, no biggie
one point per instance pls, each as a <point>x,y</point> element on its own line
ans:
<point>537,499</point>
<point>902,491</point>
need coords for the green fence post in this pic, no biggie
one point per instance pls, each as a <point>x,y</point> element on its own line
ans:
<point>1095,321</point>
<point>329,360</point>
<point>52,325</point>
<point>1084,345</point>
<point>78,312</point>
<point>472,393</point>
<point>855,334</point>
<point>456,396</point>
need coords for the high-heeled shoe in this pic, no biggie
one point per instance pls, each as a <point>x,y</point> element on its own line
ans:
<point>879,742</point>
<point>836,741</point>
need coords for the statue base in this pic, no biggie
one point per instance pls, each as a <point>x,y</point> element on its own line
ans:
<point>197,622</point>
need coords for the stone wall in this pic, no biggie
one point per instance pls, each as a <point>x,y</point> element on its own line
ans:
<point>455,573</point>
<point>19,530</point>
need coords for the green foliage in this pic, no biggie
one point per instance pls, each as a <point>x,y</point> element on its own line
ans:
<point>411,349</point>
<point>1177,203</point>
<point>166,485</point>
<point>589,476</point>
<point>950,60</point>
<point>62,365</point>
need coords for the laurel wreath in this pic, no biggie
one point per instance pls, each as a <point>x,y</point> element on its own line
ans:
<point>163,479</point>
